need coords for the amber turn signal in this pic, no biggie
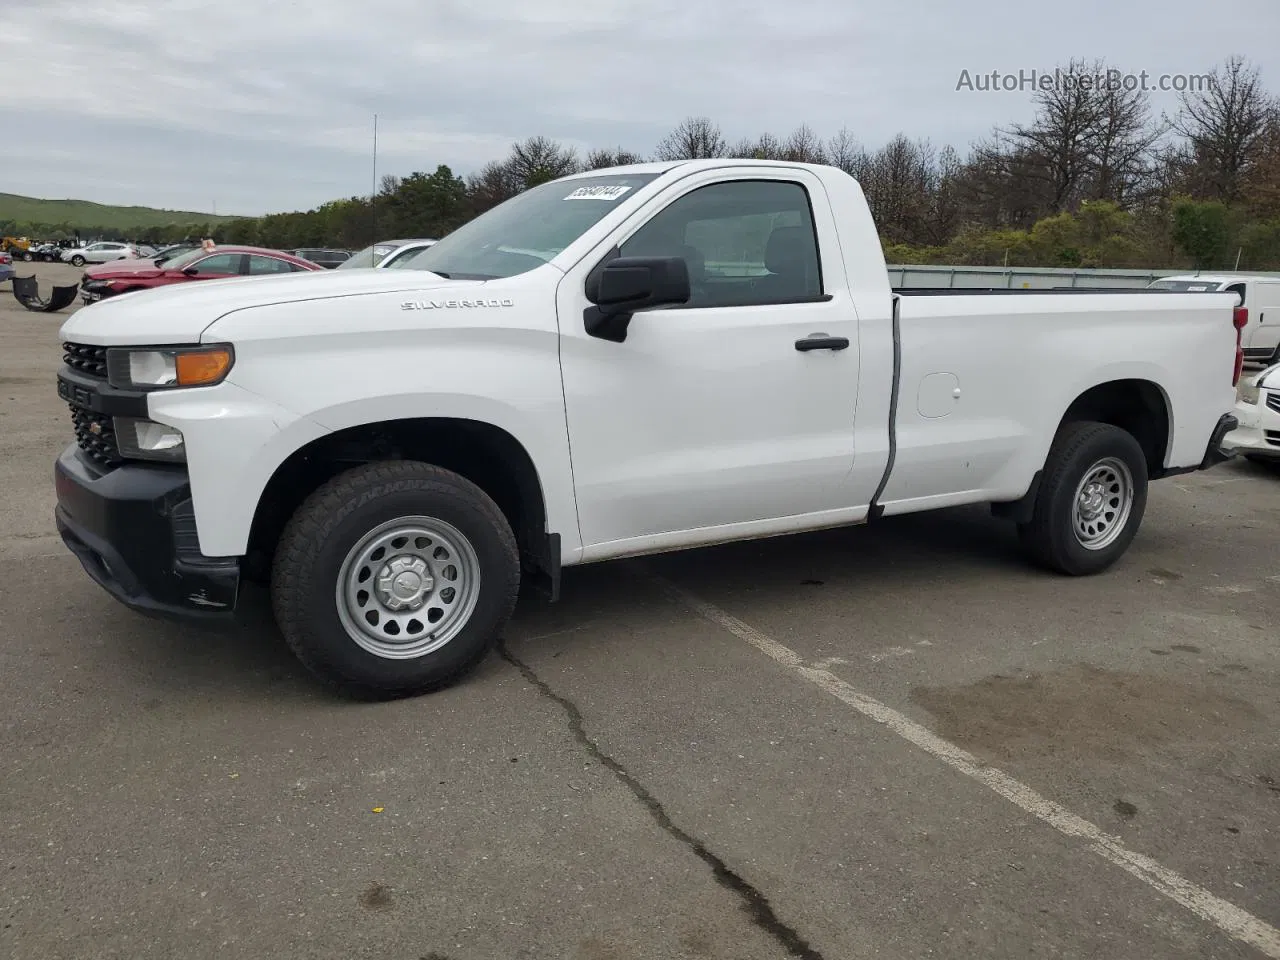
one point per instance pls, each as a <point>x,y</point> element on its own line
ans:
<point>202,367</point>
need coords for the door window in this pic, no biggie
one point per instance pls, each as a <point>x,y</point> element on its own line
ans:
<point>219,263</point>
<point>746,242</point>
<point>259,265</point>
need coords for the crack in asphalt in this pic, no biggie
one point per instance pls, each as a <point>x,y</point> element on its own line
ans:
<point>754,903</point>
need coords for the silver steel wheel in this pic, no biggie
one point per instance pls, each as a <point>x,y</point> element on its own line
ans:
<point>408,587</point>
<point>1102,504</point>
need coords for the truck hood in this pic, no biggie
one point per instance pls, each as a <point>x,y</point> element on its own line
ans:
<point>120,268</point>
<point>180,313</point>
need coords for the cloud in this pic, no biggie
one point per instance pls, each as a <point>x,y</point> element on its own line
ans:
<point>269,106</point>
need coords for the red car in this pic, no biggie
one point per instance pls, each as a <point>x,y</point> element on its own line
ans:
<point>123,276</point>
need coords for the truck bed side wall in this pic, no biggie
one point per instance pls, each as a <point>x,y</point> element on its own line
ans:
<point>986,381</point>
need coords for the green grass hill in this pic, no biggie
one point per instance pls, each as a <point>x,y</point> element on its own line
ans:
<point>86,216</point>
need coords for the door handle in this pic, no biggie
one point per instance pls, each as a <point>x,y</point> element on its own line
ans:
<point>820,341</point>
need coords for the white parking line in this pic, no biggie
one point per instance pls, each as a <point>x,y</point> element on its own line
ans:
<point>1231,919</point>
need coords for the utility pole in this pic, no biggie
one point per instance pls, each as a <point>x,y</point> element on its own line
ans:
<point>373,196</point>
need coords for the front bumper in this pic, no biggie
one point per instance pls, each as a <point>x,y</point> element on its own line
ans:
<point>94,290</point>
<point>133,530</point>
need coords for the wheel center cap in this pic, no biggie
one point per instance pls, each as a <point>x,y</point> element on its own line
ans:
<point>1091,501</point>
<point>404,583</point>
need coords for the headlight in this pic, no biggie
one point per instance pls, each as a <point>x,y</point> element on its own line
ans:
<point>148,440</point>
<point>1250,391</point>
<point>169,366</point>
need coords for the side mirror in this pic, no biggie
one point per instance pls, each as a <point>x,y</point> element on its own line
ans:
<point>191,271</point>
<point>623,285</point>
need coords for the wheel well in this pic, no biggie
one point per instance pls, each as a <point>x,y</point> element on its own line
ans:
<point>1135,406</point>
<point>486,455</point>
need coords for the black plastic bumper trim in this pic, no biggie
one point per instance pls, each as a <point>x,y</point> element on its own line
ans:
<point>132,530</point>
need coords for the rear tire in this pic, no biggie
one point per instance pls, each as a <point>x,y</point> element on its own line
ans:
<point>367,562</point>
<point>1092,497</point>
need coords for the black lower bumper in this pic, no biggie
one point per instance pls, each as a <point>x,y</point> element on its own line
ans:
<point>133,530</point>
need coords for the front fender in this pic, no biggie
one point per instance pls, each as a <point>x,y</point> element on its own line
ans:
<point>235,441</point>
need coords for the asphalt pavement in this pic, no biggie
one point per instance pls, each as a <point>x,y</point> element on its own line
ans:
<point>896,741</point>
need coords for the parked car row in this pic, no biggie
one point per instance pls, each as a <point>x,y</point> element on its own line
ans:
<point>198,263</point>
<point>324,256</point>
<point>115,268</point>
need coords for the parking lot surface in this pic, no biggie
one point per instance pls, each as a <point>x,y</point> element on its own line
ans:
<point>894,741</point>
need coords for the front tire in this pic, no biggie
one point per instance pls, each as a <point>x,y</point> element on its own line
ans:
<point>1092,497</point>
<point>77,261</point>
<point>27,256</point>
<point>395,579</point>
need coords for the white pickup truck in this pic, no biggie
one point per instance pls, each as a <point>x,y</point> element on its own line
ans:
<point>621,362</point>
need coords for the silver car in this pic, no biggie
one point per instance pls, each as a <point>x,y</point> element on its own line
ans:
<point>102,252</point>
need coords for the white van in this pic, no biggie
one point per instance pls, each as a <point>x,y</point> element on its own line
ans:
<point>1259,295</point>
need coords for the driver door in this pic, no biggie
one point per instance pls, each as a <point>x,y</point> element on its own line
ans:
<point>716,418</point>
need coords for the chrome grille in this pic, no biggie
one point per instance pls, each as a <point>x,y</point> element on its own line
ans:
<point>85,358</point>
<point>1273,401</point>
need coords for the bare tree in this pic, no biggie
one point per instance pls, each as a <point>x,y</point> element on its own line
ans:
<point>694,139</point>
<point>1055,150</point>
<point>1224,126</point>
<point>1261,187</point>
<point>845,153</point>
<point>943,217</point>
<point>493,184</point>
<point>601,158</point>
<point>764,147</point>
<point>804,146</point>
<point>898,183</point>
<point>994,188</point>
<point>1121,155</point>
<point>539,159</point>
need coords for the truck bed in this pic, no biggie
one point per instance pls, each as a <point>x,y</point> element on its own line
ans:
<point>982,380</point>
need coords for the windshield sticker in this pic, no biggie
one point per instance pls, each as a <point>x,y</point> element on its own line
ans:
<point>597,193</point>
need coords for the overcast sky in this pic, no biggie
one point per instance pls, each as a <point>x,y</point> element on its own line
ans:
<point>267,105</point>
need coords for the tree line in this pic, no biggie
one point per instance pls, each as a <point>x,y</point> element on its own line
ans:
<point>1095,179</point>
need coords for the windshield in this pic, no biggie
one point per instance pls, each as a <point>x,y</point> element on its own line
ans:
<point>1185,286</point>
<point>527,230</point>
<point>368,257</point>
<point>168,253</point>
<point>183,259</point>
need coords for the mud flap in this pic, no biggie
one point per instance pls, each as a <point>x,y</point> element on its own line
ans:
<point>26,290</point>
